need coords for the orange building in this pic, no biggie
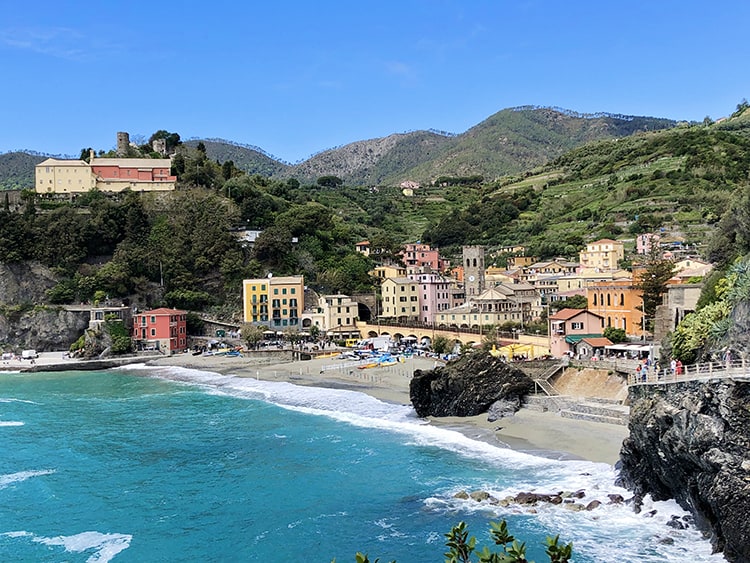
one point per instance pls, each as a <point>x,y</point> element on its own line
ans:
<point>161,329</point>
<point>618,303</point>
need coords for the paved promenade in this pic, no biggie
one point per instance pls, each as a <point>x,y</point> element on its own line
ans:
<point>738,369</point>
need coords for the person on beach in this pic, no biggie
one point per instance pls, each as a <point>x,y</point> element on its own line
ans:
<point>678,367</point>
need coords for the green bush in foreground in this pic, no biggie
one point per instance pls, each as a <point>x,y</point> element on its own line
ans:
<point>461,547</point>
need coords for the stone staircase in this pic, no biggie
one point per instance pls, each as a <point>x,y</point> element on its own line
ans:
<point>607,411</point>
<point>598,410</point>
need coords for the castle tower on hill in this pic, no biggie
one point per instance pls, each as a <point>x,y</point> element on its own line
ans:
<point>473,263</point>
<point>123,143</point>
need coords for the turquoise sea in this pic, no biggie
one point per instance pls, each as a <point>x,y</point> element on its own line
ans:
<point>171,464</point>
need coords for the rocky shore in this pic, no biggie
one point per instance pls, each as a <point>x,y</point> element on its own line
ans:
<point>691,441</point>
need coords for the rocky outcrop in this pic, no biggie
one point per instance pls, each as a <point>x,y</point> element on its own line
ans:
<point>24,282</point>
<point>24,321</point>
<point>468,386</point>
<point>41,328</point>
<point>691,441</point>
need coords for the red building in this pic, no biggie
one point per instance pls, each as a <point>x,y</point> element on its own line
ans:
<point>160,329</point>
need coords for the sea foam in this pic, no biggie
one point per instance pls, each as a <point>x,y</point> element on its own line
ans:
<point>104,546</point>
<point>626,532</point>
<point>10,478</point>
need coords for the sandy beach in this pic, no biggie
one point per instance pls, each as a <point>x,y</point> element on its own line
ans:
<point>540,433</point>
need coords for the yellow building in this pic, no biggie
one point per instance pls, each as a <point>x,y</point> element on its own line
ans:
<point>274,302</point>
<point>602,255</point>
<point>63,176</point>
<point>387,271</point>
<point>400,299</point>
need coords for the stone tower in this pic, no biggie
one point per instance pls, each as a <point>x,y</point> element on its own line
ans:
<point>473,262</point>
<point>160,146</point>
<point>123,143</point>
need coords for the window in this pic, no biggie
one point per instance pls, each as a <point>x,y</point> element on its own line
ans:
<point>275,290</point>
<point>576,326</point>
<point>153,332</point>
<point>153,319</point>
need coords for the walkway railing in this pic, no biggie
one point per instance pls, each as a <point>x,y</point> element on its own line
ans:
<point>693,372</point>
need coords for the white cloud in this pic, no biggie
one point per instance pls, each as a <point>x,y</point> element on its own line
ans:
<point>59,42</point>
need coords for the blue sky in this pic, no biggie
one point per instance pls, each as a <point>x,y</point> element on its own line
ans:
<point>296,78</point>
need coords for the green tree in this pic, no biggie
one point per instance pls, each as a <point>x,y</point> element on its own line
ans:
<point>251,334</point>
<point>652,281</point>
<point>572,302</point>
<point>330,181</point>
<point>441,345</point>
<point>462,548</point>
<point>615,335</point>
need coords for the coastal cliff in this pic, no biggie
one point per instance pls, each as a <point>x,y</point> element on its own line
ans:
<point>25,322</point>
<point>469,386</point>
<point>691,441</point>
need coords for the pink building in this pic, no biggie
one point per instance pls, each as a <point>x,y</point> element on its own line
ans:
<point>418,255</point>
<point>645,241</point>
<point>568,327</point>
<point>434,292</point>
<point>133,169</point>
<point>162,329</point>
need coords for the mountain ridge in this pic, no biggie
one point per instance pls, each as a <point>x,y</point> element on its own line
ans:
<point>510,141</point>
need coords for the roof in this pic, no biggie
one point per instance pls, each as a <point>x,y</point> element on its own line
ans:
<point>133,162</point>
<point>597,342</point>
<point>605,241</point>
<point>567,314</point>
<point>61,162</point>
<point>163,311</point>
<point>363,243</point>
<point>400,281</point>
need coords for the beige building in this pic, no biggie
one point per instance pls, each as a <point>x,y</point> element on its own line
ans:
<point>494,306</point>
<point>54,176</point>
<point>400,299</point>
<point>602,255</point>
<point>333,311</point>
<point>57,176</point>
<point>387,271</point>
<point>274,302</point>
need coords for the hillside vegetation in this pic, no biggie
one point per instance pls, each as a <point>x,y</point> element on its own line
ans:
<point>17,170</point>
<point>508,142</point>
<point>689,182</point>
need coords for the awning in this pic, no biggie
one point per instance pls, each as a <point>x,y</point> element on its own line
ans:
<point>629,348</point>
<point>576,338</point>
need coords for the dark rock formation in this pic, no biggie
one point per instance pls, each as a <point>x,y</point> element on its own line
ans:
<point>42,328</point>
<point>691,441</point>
<point>24,321</point>
<point>467,386</point>
<point>25,282</point>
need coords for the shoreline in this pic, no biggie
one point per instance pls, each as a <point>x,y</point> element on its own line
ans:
<point>542,434</point>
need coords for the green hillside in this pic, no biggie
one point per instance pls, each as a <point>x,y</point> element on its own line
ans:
<point>17,170</point>
<point>678,181</point>
<point>251,160</point>
<point>518,139</point>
